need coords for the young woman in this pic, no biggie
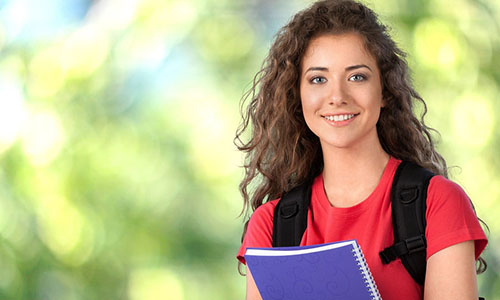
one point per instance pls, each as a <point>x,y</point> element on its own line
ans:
<point>334,102</point>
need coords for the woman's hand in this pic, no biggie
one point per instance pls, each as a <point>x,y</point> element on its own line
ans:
<point>252,291</point>
<point>451,273</point>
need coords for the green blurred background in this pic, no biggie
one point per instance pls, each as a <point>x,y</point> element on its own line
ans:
<point>118,176</point>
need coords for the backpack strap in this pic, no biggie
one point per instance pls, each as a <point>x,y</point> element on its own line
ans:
<point>290,216</point>
<point>408,199</point>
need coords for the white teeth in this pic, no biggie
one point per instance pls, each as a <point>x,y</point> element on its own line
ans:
<point>339,118</point>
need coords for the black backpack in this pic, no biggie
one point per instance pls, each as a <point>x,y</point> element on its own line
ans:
<point>408,197</point>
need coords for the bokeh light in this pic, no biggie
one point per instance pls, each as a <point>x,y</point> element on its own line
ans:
<point>154,283</point>
<point>42,137</point>
<point>12,111</point>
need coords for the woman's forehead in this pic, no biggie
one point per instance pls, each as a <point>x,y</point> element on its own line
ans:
<point>337,48</point>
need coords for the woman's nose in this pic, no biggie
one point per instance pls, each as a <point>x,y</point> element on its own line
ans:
<point>338,94</point>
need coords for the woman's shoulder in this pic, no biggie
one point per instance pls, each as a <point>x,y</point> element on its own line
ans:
<point>265,211</point>
<point>450,217</point>
<point>260,227</point>
<point>440,186</point>
<point>444,194</point>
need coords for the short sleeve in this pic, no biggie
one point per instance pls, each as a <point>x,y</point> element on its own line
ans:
<point>260,229</point>
<point>451,218</point>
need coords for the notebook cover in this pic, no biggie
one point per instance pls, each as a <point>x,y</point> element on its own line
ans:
<point>326,274</point>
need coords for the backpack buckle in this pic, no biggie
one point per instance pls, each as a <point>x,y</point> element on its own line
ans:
<point>289,211</point>
<point>416,244</point>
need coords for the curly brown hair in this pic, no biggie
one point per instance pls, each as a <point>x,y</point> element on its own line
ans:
<point>282,152</point>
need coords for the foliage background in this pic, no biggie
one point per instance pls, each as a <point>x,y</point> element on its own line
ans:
<point>118,176</point>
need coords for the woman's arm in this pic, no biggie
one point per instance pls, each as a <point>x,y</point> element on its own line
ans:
<point>451,273</point>
<point>252,291</point>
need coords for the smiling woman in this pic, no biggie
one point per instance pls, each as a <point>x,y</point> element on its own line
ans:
<point>333,105</point>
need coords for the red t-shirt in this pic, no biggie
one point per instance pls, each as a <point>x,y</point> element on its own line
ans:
<point>450,220</point>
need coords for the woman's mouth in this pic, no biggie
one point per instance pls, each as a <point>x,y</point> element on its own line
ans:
<point>340,119</point>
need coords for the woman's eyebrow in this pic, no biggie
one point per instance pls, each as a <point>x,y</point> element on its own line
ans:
<point>349,68</point>
<point>316,69</point>
<point>354,67</point>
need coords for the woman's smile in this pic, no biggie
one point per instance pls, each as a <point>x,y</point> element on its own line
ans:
<point>339,120</point>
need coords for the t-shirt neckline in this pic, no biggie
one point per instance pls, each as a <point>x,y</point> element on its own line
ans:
<point>320,194</point>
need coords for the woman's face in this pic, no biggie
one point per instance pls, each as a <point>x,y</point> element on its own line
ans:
<point>341,91</point>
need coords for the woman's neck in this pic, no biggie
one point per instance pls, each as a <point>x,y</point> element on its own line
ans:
<point>351,174</point>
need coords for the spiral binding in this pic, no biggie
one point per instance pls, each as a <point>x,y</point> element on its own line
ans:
<point>365,270</point>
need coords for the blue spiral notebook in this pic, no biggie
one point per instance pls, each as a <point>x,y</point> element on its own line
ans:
<point>326,271</point>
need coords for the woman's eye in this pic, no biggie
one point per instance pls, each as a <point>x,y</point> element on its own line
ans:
<point>357,77</point>
<point>318,80</point>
